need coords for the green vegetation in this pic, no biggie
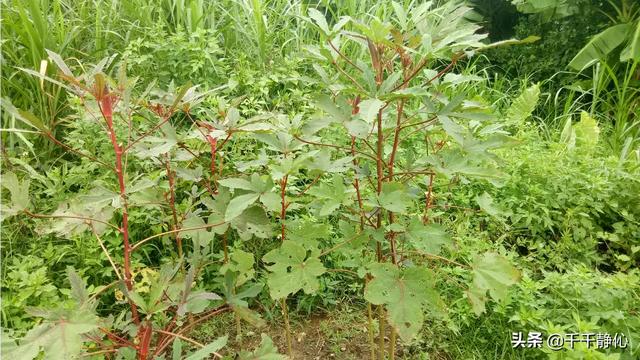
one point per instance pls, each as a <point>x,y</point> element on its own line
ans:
<point>250,179</point>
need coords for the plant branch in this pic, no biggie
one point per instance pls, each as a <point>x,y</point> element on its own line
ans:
<point>104,249</point>
<point>207,226</point>
<point>335,147</point>
<point>343,56</point>
<point>86,219</point>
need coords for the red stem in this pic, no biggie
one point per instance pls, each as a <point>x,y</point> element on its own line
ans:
<point>106,107</point>
<point>145,342</point>
<point>428,199</point>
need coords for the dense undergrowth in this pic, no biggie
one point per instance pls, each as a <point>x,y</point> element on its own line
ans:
<point>179,177</point>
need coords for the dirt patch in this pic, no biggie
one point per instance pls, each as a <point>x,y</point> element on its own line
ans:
<point>342,335</point>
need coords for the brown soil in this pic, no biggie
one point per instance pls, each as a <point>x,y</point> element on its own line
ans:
<point>317,337</point>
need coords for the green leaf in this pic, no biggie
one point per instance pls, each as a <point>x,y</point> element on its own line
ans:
<point>587,131</point>
<point>19,194</point>
<point>99,203</point>
<point>369,109</point>
<point>22,115</point>
<point>308,233</point>
<point>330,196</point>
<point>322,162</point>
<point>252,222</point>
<point>57,59</point>
<point>197,302</point>
<point>240,262</point>
<point>522,107</point>
<point>176,351</point>
<point>394,197</point>
<point>238,204</point>
<point>78,289</point>
<point>208,349</point>
<point>200,237</point>
<point>600,46</point>
<point>337,112</point>
<point>357,128</point>
<point>237,183</point>
<point>320,20</point>
<point>491,273</point>
<point>154,146</point>
<point>266,351</point>
<point>405,293</point>
<point>60,336</point>
<point>429,238</point>
<point>632,50</point>
<point>528,40</point>
<point>292,270</point>
<point>486,203</point>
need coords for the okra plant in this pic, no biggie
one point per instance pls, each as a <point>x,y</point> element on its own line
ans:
<point>144,161</point>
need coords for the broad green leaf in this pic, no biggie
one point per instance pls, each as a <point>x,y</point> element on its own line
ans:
<point>265,351</point>
<point>429,238</point>
<point>308,233</point>
<point>486,203</point>
<point>405,293</point>
<point>492,273</point>
<point>238,204</point>
<point>452,162</point>
<point>57,59</point>
<point>330,196</point>
<point>207,350</point>
<point>340,24</point>
<point>357,128</point>
<point>632,50</point>
<point>98,204</point>
<point>600,46</point>
<point>522,107</point>
<point>154,146</point>
<point>19,194</point>
<point>78,288</point>
<point>320,20</point>
<point>252,222</point>
<point>197,302</point>
<point>322,162</point>
<point>394,197</point>
<point>453,129</point>
<point>240,262</point>
<point>390,82</point>
<point>237,183</point>
<point>194,175</point>
<point>338,112</point>
<point>271,201</point>
<point>235,296</point>
<point>201,236</point>
<point>369,109</point>
<point>60,336</point>
<point>292,270</point>
<point>176,351</point>
<point>280,142</point>
<point>587,131</point>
